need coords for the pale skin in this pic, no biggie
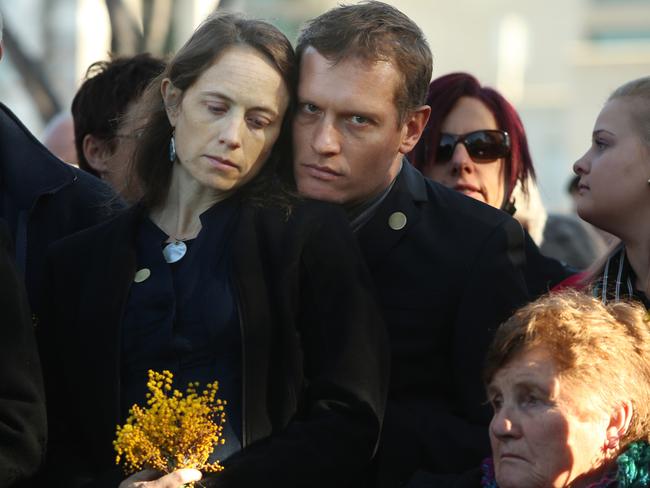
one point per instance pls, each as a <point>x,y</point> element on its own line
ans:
<point>613,192</point>
<point>223,135</point>
<point>149,478</point>
<point>225,126</point>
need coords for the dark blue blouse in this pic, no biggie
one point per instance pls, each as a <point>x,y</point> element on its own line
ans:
<point>184,318</point>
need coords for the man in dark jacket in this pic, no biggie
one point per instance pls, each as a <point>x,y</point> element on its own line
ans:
<point>447,269</point>
<point>43,199</point>
<point>22,407</point>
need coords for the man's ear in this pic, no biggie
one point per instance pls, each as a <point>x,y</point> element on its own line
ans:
<point>619,423</point>
<point>171,97</point>
<point>97,152</point>
<point>413,127</point>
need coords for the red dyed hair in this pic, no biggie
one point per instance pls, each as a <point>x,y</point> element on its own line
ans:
<point>443,94</point>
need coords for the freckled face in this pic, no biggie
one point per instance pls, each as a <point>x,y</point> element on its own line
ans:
<point>540,433</point>
<point>227,122</point>
<point>483,181</point>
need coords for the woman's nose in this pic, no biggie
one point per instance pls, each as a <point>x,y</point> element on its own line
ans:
<point>581,166</point>
<point>504,424</point>
<point>461,162</point>
<point>230,134</point>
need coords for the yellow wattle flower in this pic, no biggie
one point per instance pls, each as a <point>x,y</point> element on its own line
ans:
<point>175,430</point>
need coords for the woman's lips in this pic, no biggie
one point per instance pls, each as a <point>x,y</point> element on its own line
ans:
<point>511,457</point>
<point>222,163</point>
<point>469,189</point>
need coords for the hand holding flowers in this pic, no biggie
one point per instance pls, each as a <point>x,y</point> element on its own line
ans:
<point>175,431</point>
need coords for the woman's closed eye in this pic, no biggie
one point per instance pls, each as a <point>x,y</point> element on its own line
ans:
<point>217,109</point>
<point>258,122</point>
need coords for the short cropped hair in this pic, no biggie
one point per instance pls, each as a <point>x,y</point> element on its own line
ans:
<point>104,96</point>
<point>444,93</point>
<point>603,350</point>
<point>374,31</point>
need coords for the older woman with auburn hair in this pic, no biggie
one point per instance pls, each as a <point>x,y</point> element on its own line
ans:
<point>569,381</point>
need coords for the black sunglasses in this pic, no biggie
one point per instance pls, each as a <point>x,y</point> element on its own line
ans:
<point>482,145</point>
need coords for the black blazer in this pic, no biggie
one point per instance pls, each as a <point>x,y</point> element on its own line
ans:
<point>314,347</point>
<point>445,280</point>
<point>22,402</point>
<point>43,199</point>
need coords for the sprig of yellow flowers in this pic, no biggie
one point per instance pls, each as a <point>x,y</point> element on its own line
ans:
<point>175,430</point>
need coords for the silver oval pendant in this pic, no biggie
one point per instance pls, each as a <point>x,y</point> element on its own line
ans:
<point>174,251</point>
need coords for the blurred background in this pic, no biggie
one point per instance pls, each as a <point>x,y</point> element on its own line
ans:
<point>555,60</point>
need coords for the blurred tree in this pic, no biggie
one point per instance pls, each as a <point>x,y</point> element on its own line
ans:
<point>128,37</point>
<point>33,75</point>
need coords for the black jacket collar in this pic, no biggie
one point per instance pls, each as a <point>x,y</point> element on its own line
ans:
<point>27,169</point>
<point>380,235</point>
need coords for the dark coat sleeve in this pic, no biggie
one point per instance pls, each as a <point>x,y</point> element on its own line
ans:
<point>494,289</point>
<point>22,407</point>
<point>448,433</point>
<point>542,273</point>
<point>332,437</point>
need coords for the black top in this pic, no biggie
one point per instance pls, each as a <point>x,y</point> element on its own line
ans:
<point>314,352</point>
<point>448,271</point>
<point>183,318</point>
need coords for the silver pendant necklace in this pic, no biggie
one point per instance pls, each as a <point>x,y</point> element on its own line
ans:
<point>174,251</point>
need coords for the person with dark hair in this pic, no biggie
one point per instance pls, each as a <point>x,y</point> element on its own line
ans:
<point>219,272</point>
<point>447,269</point>
<point>102,110</point>
<point>475,143</point>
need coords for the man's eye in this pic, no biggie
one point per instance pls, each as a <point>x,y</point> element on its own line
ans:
<point>359,120</point>
<point>309,108</point>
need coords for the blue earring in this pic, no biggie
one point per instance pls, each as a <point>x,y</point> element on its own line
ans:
<point>172,149</point>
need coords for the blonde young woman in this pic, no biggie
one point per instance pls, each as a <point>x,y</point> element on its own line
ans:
<point>614,191</point>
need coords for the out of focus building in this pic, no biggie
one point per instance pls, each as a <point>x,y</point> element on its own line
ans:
<point>556,60</point>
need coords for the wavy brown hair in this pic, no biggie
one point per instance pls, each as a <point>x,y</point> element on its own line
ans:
<point>218,32</point>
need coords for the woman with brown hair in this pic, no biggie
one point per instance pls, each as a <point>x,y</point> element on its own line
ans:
<point>220,272</point>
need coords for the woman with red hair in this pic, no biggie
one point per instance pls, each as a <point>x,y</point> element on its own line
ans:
<point>475,143</point>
